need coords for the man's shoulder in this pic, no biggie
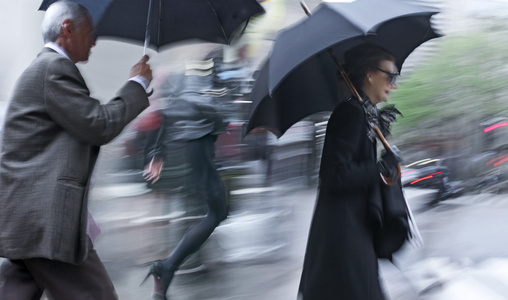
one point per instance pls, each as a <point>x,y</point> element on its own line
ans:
<point>49,61</point>
<point>49,56</point>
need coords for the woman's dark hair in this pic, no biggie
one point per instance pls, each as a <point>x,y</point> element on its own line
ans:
<point>362,58</point>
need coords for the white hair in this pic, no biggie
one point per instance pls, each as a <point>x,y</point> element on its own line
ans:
<point>59,12</point>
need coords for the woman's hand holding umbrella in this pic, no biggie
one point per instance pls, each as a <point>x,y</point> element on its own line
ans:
<point>389,165</point>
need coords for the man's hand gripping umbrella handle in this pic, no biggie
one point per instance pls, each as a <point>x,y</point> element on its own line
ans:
<point>387,180</point>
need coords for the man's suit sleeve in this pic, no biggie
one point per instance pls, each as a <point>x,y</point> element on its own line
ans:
<point>69,104</point>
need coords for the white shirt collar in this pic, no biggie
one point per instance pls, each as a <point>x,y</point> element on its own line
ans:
<point>57,48</point>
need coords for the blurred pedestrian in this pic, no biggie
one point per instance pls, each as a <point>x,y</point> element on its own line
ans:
<point>52,135</point>
<point>340,260</point>
<point>191,122</point>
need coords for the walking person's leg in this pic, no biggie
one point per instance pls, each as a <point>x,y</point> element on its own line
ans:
<point>209,187</point>
<point>16,282</point>
<point>64,281</point>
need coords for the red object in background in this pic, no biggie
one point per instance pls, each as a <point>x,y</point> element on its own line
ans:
<point>145,124</point>
<point>228,144</point>
<point>497,161</point>
<point>426,177</point>
<point>490,128</point>
<point>150,121</point>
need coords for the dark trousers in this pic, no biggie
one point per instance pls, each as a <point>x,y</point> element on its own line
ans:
<point>27,279</point>
<point>208,186</point>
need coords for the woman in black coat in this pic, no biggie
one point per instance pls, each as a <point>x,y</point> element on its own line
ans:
<point>340,260</point>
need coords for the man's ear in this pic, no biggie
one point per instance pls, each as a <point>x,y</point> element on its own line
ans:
<point>67,28</point>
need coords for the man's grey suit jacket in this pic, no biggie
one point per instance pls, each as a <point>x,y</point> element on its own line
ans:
<point>52,136</point>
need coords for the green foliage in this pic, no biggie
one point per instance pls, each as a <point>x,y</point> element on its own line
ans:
<point>463,81</point>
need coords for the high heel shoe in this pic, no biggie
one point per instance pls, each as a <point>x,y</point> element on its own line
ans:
<point>161,279</point>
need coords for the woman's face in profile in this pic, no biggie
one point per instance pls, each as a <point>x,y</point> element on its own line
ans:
<point>381,81</point>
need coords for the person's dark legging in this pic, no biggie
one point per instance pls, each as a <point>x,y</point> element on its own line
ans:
<point>209,187</point>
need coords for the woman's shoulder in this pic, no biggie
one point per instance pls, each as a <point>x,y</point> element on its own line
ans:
<point>349,106</point>
<point>348,111</point>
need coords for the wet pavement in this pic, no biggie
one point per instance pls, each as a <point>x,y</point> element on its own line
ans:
<point>258,251</point>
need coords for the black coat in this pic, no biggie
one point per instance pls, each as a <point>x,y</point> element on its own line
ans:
<point>340,262</point>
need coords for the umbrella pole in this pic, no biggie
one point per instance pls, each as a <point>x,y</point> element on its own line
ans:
<point>386,180</point>
<point>357,95</point>
<point>147,32</point>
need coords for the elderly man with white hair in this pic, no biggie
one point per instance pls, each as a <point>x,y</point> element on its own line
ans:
<point>52,135</point>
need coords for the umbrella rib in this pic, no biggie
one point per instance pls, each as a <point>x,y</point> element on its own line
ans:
<point>220,24</point>
<point>148,29</point>
<point>159,29</point>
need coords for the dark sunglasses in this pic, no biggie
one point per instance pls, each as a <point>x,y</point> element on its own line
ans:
<point>392,77</point>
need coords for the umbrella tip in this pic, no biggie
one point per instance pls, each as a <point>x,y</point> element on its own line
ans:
<point>305,7</point>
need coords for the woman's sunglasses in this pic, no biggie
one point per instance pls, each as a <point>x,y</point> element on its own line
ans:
<point>392,76</point>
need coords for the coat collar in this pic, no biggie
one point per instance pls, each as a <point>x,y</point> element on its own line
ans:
<point>57,49</point>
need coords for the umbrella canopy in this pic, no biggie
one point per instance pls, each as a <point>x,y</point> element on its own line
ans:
<point>300,77</point>
<point>169,21</point>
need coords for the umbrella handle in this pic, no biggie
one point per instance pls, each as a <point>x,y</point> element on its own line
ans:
<point>386,180</point>
<point>380,136</point>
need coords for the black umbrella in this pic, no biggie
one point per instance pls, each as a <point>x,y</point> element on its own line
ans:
<point>158,23</point>
<point>300,77</point>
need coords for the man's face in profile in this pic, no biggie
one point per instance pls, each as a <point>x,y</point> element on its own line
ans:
<point>82,41</point>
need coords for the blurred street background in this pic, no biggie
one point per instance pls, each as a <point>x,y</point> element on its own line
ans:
<point>257,253</point>
<point>453,136</point>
